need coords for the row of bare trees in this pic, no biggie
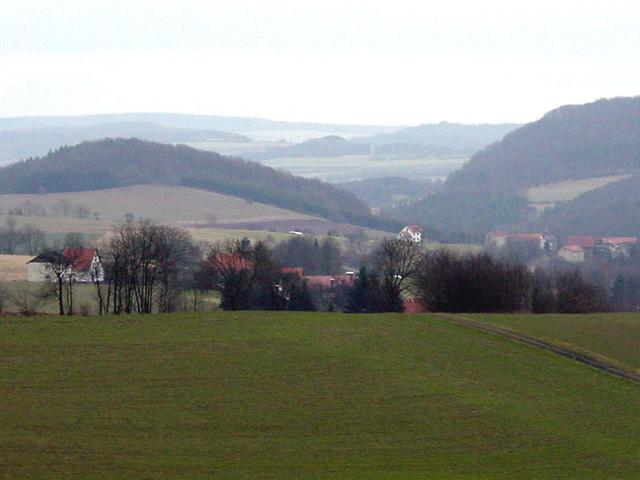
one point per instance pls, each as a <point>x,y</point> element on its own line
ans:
<point>145,265</point>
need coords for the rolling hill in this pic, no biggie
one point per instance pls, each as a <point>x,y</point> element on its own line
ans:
<point>280,395</point>
<point>112,163</point>
<point>579,142</point>
<point>32,142</point>
<point>161,203</point>
<point>576,141</point>
<point>435,139</point>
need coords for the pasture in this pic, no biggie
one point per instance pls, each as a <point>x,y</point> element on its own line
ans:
<point>548,195</point>
<point>291,395</point>
<point>13,267</point>
<point>613,336</point>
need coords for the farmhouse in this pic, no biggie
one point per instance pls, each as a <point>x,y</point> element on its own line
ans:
<point>411,233</point>
<point>81,265</point>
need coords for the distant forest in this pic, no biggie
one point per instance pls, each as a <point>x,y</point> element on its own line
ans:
<point>120,162</point>
<point>571,142</point>
<point>596,139</point>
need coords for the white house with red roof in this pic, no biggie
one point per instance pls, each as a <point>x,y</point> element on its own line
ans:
<point>81,265</point>
<point>411,233</point>
<point>572,253</point>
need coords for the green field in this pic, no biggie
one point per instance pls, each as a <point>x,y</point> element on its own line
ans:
<point>614,337</point>
<point>273,395</point>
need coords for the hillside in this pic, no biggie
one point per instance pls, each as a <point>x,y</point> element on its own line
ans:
<point>442,138</point>
<point>576,141</point>
<point>288,395</point>
<point>610,210</point>
<point>124,162</point>
<point>161,203</point>
<point>592,142</point>
<point>329,146</point>
<point>384,192</point>
<point>33,142</point>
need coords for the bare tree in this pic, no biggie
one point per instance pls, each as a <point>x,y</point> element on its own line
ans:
<point>395,262</point>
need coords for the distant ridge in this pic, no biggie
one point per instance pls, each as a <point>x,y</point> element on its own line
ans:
<point>574,141</point>
<point>120,162</point>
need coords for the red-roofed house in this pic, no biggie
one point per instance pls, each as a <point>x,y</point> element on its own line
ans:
<point>411,233</point>
<point>414,305</point>
<point>83,265</point>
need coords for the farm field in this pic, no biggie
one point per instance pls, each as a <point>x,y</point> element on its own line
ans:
<point>552,193</point>
<point>168,204</point>
<point>290,395</point>
<point>613,336</point>
<point>13,267</point>
<point>359,167</point>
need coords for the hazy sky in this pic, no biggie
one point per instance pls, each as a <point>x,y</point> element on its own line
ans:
<point>384,62</point>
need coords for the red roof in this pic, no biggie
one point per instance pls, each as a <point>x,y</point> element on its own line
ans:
<point>620,240</point>
<point>295,270</point>
<point>414,228</point>
<point>81,258</point>
<point>584,241</point>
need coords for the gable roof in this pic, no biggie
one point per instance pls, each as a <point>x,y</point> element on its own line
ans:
<point>80,258</point>
<point>584,241</point>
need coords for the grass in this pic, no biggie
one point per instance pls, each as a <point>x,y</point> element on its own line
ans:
<point>273,395</point>
<point>612,336</point>
<point>568,190</point>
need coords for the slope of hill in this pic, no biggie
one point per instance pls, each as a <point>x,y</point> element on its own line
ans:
<point>440,138</point>
<point>329,146</point>
<point>33,142</point>
<point>610,210</point>
<point>115,163</point>
<point>385,192</point>
<point>599,139</point>
<point>161,203</point>
<point>577,141</point>
<point>291,395</point>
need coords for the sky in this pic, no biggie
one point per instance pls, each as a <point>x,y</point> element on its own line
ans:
<point>395,62</point>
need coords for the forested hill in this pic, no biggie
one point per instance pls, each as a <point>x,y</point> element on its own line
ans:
<point>577,141</point>
<point>120,162</point>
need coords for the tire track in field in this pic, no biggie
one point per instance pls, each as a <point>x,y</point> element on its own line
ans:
<point>593,362</point>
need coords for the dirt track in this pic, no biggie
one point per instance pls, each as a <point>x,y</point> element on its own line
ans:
<point>609,368</point>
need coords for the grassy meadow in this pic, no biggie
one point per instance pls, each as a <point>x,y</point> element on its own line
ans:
<point>291,395</point>
<point>612,336</point>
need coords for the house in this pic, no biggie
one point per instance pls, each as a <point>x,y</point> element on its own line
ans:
<point>411,233</point>
<point>544,241</point>
<point>80,265</point>
<point>572,253</point>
